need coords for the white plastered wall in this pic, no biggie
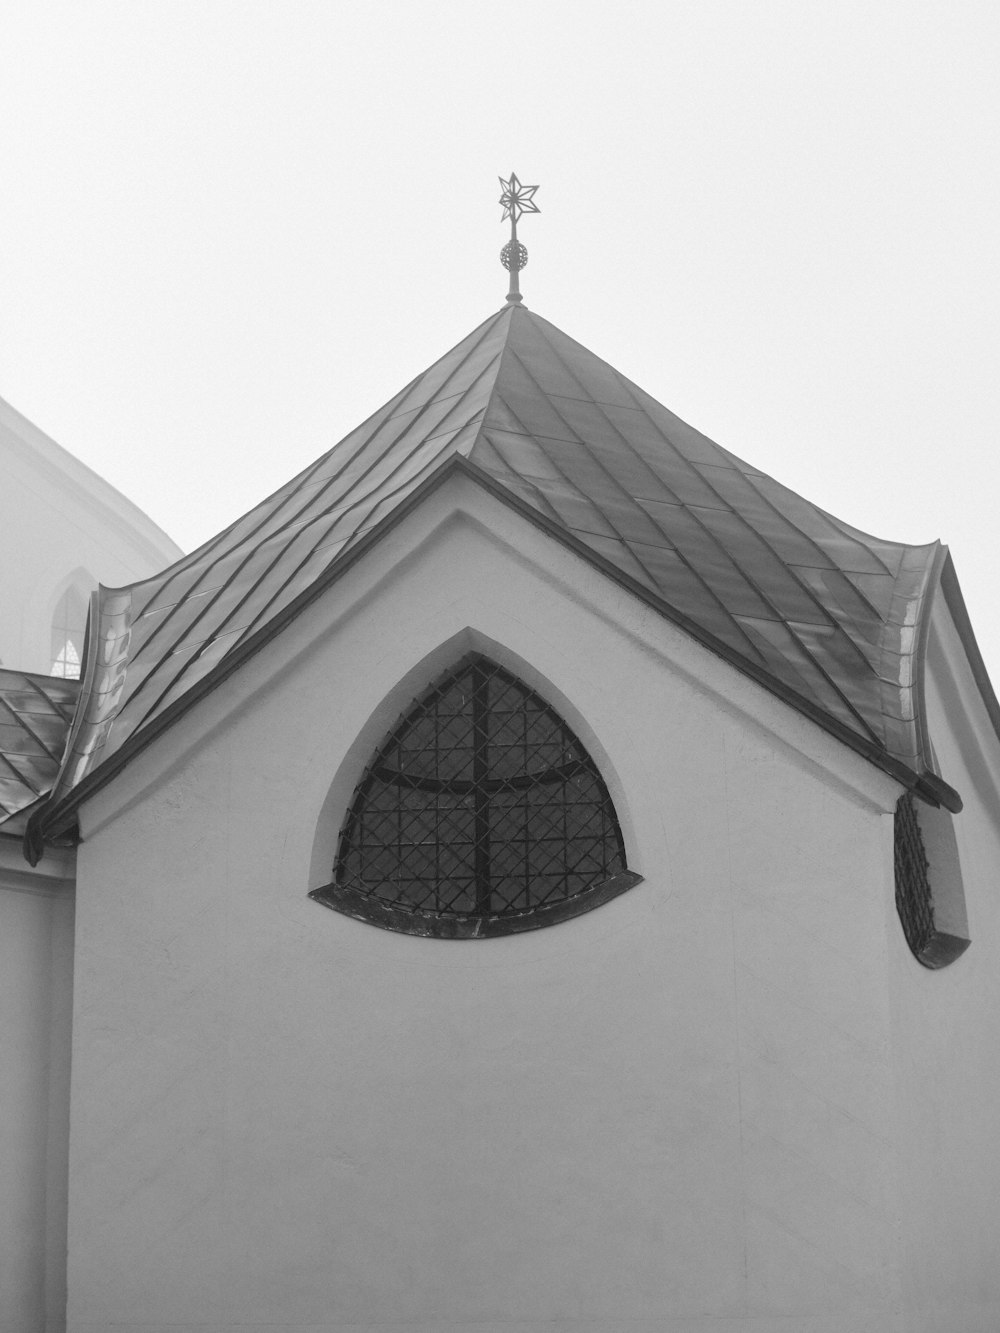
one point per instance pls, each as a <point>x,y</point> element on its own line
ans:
<point>674,1113</point>
<point>946,1034</point>
<point>36,985</point>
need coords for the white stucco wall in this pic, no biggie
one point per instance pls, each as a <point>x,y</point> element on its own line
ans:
<point>60,523</point>
<point>675,1113</point>
<point>946,1036</point>
<point>36,971</point>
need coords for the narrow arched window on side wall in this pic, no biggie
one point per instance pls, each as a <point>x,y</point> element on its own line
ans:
<point>929,896</point>
<point>480,814</point>
<point>69,622</point>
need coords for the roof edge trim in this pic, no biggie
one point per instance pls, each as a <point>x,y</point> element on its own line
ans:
<point>924,751</point>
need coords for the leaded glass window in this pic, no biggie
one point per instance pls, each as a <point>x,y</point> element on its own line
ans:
<point>913,890</point>
<point>481,813</point>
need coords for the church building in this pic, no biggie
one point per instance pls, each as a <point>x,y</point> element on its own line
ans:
<point>534,873</point>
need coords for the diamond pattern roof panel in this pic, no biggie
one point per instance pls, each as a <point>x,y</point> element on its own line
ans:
<point>35,716</point>
<point>824,615</point>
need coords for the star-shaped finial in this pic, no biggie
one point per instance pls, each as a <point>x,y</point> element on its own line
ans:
<point>517,198</point>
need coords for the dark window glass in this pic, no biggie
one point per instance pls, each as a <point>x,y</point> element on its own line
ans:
<point>913,890</point>
<point>480,814</point>
<point>929,897</point>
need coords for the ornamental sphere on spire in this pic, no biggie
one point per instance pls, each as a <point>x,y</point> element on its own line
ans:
<point>515,199</point>
<point>514,256</point>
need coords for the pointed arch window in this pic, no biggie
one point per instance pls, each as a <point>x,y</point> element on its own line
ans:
<point>69,622</point>
<point>480,814</point>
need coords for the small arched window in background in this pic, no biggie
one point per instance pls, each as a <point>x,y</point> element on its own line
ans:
<point>930,899</point>
<point>68,625</point>
<point>480,814</point>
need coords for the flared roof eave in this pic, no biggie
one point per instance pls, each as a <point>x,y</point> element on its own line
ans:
<point>56,817</point>
<point>830,619</point>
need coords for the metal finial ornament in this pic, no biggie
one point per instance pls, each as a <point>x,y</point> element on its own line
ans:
<point>515,200</point>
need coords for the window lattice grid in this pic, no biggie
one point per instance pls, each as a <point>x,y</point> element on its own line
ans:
<point>914,902</point>
<point>481,802</point>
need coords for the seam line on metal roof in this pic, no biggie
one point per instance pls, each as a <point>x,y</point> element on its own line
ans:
<point>384,452</point>
<point>681,555</point>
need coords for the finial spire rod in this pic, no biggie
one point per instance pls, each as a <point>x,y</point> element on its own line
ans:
<point>515,200</point>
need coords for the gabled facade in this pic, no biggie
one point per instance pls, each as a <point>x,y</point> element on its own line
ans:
<point>611,732</point>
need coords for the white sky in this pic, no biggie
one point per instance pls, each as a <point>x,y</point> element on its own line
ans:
<point>230,231</point>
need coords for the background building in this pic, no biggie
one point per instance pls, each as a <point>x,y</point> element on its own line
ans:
<point>63,530</point>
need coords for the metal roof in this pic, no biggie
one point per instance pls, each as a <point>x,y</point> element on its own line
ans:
<point>35,715</point>
<point>826,616</point>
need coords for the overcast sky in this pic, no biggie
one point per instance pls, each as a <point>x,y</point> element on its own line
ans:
<point>230,231</point>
